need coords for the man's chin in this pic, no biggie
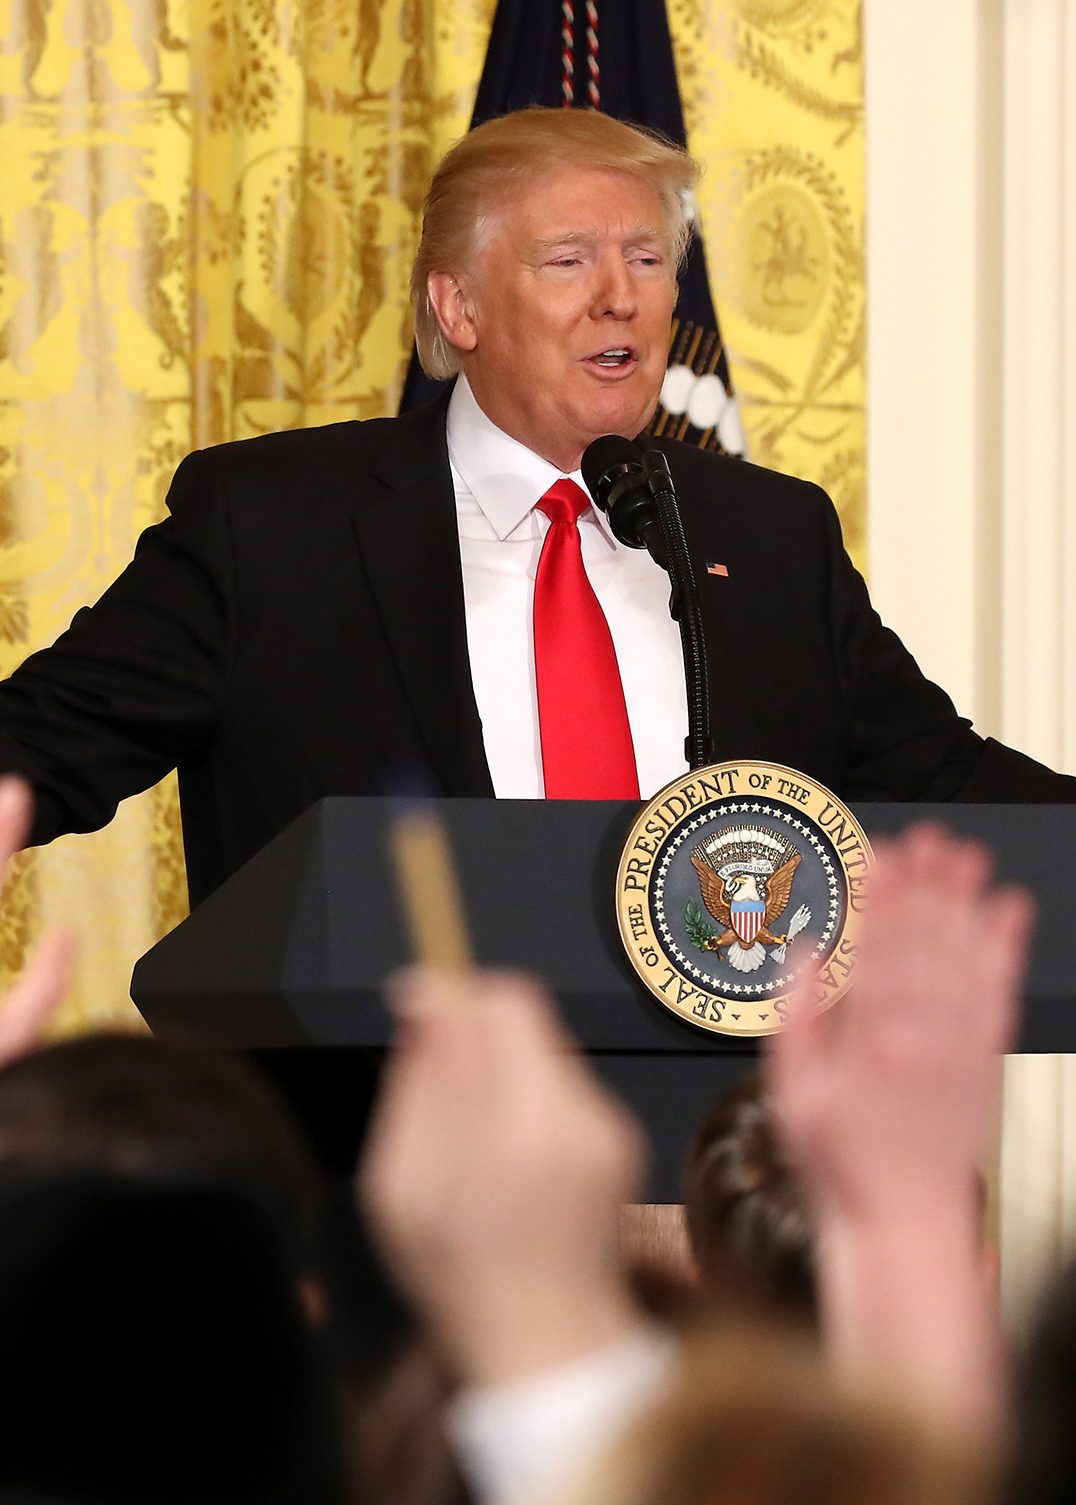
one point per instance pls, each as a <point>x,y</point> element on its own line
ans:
<point>624,418</point>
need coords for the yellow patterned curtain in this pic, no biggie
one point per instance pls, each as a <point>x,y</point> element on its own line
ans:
<point>773,100</point>
<point>208,210</point>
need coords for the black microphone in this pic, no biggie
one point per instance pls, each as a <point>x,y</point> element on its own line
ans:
<point>613,470</point>
<point>635,490</point>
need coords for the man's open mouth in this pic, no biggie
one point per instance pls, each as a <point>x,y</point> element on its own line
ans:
<point>614,357</point>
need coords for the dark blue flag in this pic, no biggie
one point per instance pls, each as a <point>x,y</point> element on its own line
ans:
<point>559,52</point>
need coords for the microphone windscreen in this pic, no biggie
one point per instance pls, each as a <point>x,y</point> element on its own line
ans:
<point>603,454</point>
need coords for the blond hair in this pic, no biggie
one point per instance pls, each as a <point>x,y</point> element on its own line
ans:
<point>497,160</point>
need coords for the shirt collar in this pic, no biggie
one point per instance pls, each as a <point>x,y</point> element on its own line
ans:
<point>505,478</point>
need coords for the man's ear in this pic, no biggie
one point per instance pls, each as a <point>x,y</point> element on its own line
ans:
<point>453,310</point>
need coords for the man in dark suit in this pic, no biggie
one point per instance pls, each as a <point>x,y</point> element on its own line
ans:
<point>325,612</point>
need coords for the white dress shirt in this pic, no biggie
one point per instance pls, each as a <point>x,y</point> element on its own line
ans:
<point>498,482</point>
<point>521,1442</point>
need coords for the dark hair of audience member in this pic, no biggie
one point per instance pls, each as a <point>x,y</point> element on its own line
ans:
<point>156,1109</point>
<point>164,1113</point>
<point>159,1111</point>
<point>155,1348</point>
<point>747,1216</point>
<point>754,1418</point>
<point>1044,1471</point>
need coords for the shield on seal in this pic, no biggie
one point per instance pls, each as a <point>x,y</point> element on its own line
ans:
<point>747,916</point>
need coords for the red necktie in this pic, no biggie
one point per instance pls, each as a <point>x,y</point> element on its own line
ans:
<point>587,752</point>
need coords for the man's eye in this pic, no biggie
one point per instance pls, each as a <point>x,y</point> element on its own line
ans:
<point>566,261</point>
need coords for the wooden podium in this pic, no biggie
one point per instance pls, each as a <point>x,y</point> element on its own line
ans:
<point>288,957</point>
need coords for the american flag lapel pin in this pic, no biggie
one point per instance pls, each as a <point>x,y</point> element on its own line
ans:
<point>717,569</point>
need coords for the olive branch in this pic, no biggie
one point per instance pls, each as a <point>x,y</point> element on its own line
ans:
<point>698,931</point>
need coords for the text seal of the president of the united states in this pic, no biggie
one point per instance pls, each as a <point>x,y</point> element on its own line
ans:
<point>735,881</point>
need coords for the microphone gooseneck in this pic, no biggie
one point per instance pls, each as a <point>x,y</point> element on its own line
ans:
<point>685,609</point>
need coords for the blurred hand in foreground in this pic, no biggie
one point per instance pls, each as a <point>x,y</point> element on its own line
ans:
<point>33,1000</point>
<point>887,1104</point>
<point>493,1174</point>
<point>889,1099</point>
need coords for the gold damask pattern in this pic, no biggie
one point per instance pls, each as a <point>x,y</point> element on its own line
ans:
<point>314,133</point>
<point>773,99</point>
<point>91,422</point>
<point>208,210</point>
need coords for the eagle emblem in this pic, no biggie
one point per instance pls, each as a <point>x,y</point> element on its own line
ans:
<point>745,876</point>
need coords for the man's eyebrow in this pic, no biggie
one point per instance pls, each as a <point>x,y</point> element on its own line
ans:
<point>646,235</point>
<point>567,238</point>
<point>642,234</point>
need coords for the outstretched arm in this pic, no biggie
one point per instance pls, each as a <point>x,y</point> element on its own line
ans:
<point>134,684</point>
<point>38,992</point>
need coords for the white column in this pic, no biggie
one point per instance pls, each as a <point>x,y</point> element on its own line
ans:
<point>1038,619</point>
<point>933,333</point>
<point>971,270</point>
<point>1038,574</point>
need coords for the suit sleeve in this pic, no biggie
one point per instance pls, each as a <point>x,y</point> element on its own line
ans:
<point>906,740</point>
<point>134,684</point>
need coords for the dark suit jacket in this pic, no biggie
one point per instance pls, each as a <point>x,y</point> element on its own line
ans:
<point>295,628</point>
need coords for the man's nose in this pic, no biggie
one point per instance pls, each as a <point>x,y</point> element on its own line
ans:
<point>615,292</point>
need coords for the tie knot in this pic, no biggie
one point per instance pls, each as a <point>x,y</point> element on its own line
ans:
<point>564,502</point>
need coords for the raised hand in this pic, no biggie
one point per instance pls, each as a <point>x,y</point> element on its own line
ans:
<point>887,1104</point>
<point>905,1072</point>
<point>493,1174</point>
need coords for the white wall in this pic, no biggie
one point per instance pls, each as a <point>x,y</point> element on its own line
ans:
<point>933,338</point>
<point>971,268</point>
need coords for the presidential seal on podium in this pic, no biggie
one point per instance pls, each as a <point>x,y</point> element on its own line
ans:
<point>735,881</point>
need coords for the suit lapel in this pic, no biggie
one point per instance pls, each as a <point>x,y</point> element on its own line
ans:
<point>405,520</point>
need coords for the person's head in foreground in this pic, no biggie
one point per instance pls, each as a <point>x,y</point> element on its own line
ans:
<point>155,1348</point>
<point>752,1418</point>
<point>160,1114</point>
<point>546,273</point>
<point>157,1111</point>
<point>746,1209</point>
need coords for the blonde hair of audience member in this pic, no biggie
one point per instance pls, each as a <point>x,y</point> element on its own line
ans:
<point>746,1209</point>
<point>748,1213</point>
<point>751,1418</point>
<point>502,159</point>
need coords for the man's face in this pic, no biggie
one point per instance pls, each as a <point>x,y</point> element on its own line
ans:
<point>569,308</point>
